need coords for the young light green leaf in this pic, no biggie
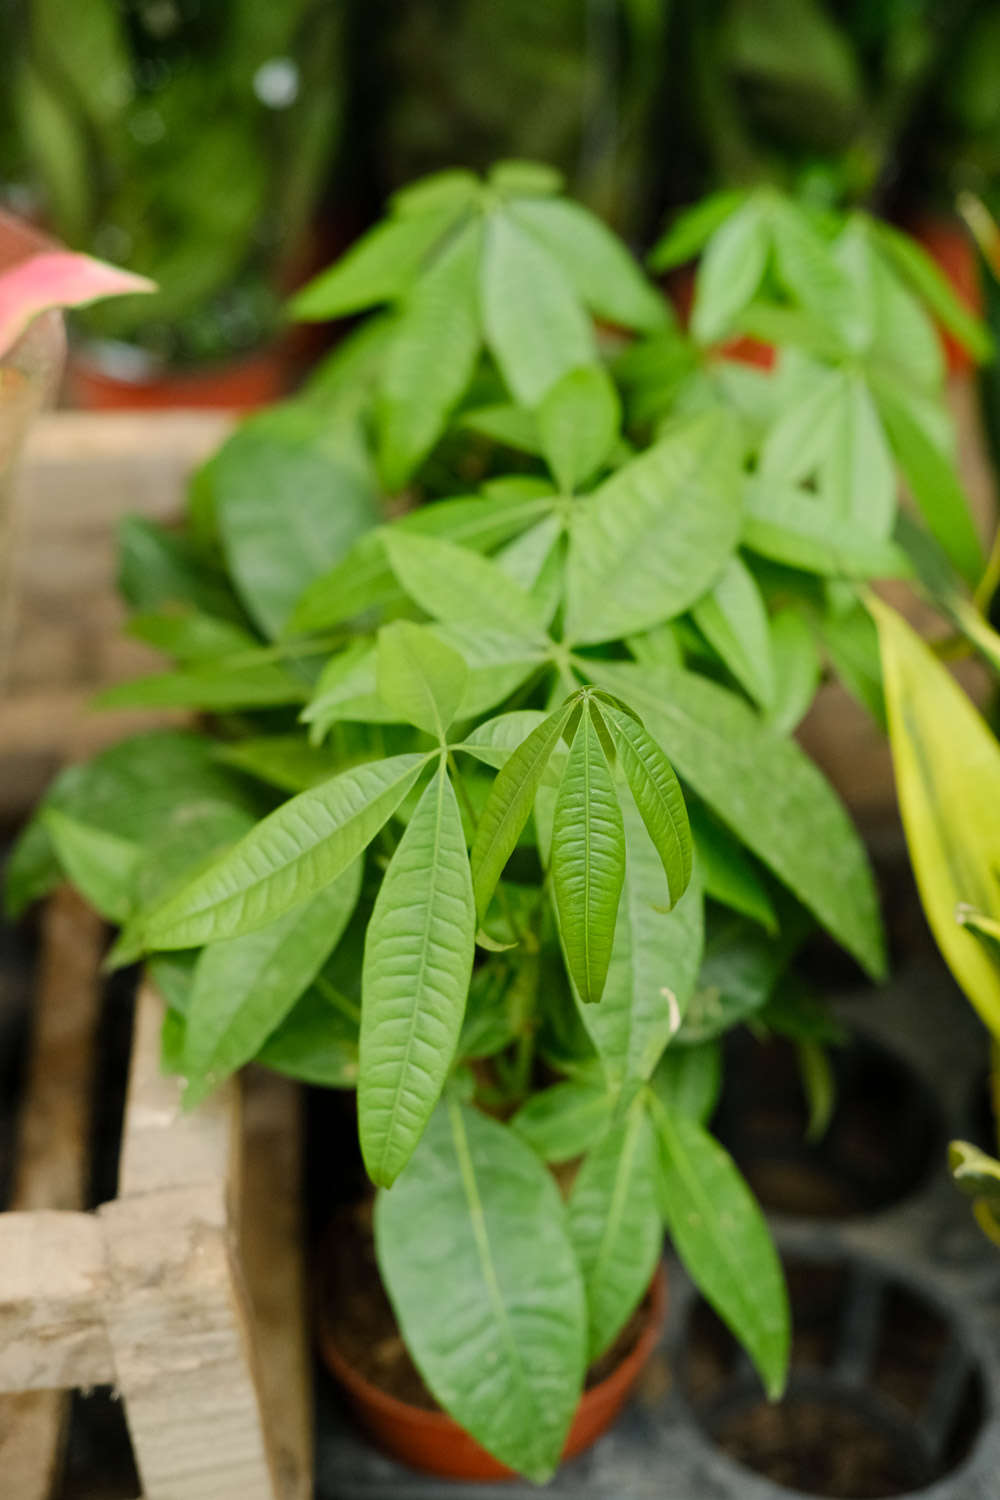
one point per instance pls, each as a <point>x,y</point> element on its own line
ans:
<point>494,741</point>
<point>510,804</point>
<point>100,864</point>
<point>728,872</point>
<point>733,618</point>
<point>615,1225</point>
<point>578,422</point>
<point>595,262</point>
<point>656,534</point>
<point>730,272</point>
<point>693,228</point>
<point>505,423</point>
<point>189,635</point>
<point>454,583</point>
<point>498,662</point>
<point>288,857</point>
<point>245,986</point>
<point>347,692</point>
<point>588,860</point>
<point>419,676</point>
<point>912,261</point>
<point>797,669</point>
<point>803,432</point>
<point>792,526</point>
<point>519,179</point>
<point>721,1236</point>
<point>453,186</point>
<point>765,789</point>
<point>562,1121</point>
<point>688,1080</point>
<point>807,268</point>
<point>654,966</point>
<point>378,268</point>
<point>430,359</point>
<point>657,794</point>
<point>535,327</point>
<point>418,960</point>
<point>857,476</point>
<point>505,1275</point>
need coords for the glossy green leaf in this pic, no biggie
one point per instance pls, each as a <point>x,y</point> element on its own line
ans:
<point>493,1313</point>
<point>454,583</point>
<point>534,325</point>
<point>657,794</point>
<point>418,961</point>
<point>419,676</point>
<point>656,534</point>
<point>595,263</point>
<point>578,422</point>
<point>730,272</point>
<point>615,1225</point>
<point>510,804</point>
<point>694,227</point>
<point>727,871</point>
<point>947,765</point>
<point>733,618</point>
<point>379,268</point>
<point>494,741</point>
<point>766,790</point>
<point>688,1080</point>
<point>101,865</point>
<point>244,987</point>
<point>791,525</point>
<point>721,1236</point>
<point>563,1121</point>
<point>291,855</point>
<point>588,860</point>
<point>430,359</point>
<point>654,966</point>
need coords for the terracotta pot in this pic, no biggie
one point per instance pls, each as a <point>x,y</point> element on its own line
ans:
<point>433,1442</point>
<point>125,381</point>
<point>948,243</point>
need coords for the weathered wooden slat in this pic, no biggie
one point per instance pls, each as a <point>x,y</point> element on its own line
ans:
<point>52,1302</point>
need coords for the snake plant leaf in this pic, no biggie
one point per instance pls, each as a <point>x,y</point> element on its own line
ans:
<point>789,525</point>
<point>727,871</point>
<point>561,1121</point>
<point>244,987</point>
<point>453,583</point>
<point>510,803</point>
<point>418,961</point>
<point>912,261</point>
<point>101,865</point>
<point>947,766</point>
<point>578,422</point>
<point>797,669</point>
<point>615,1224</point>
<point>492,1309</point>
<point>419,676</point>
<point>588,860</point>
<point>693,228</point>
<point>721,1236</point>
<point>730,272</point>
<point>535,327</point>
<point>733,618</point>
<point>430,359</point>
<point>688,1080</point>
<point>380,267</point>
<point>657,794</point>
<point>654,966</point>
<point>656,535</point>
<point>766,790</point>
<point>595,262</point>
<point>291,855</point>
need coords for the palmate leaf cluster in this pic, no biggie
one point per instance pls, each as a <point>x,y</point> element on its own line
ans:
<point>498,816</point>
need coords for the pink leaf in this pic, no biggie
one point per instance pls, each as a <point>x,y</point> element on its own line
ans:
<point>57,278</point>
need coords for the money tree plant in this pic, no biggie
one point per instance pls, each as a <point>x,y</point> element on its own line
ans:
<point>501,630</point>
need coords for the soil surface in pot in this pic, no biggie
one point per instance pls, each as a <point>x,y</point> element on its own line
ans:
<point>364,1328</point>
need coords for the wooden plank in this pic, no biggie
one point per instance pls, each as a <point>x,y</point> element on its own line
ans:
<point>53,1289</point>
<point>32,1435</point>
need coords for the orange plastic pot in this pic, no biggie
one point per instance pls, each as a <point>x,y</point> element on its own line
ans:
<point>433,1442</point>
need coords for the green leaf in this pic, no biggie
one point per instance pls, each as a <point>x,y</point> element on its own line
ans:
<point>721,1236</point>
<point>819,1085</point>
<point>653,970</point>
<point>188,635</point>
<point>454,583</point>
<point>578,422</point>
<point>254,682</point>
<point>245,986</point>
<point>283,760</point>
<point>740,971</point>
<point>588,860</point>
<point>453,186</point>
<point>947,765</point>
<point>595,262</point>
<point>657,795</point>
<point>851,642</point>
<point>792,526</point>
<point>694,227</point>
<point>493,1312</point>
<point>935,483</point>
<point>498,662</point>
<point>510,804</point>
<point>766,790</point>
<point>615,1225</point>
<point>101,865</point>
<point>494,741</point>
<point>932,286</point>
<point>418,962</point>
<point>315,1043</point>
<point>562,1121</point>
<point>688,1080</point>
<point>293,491</point>
<point>803,432</point>
<point>525,178</point>
<point>379,268</point>
<point>505,423</point>
<point>857,475</point>
<point>728,872</point>
<point>730,272</point>
<point>807,268</point>
<point>535,327</point>
<point>733,618</point>
<point>797,669</point>
<point>288,857</point>
<point>656,534</point>
<point>420,677</point>
<point>157,567</point>
<point>430,359</point>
